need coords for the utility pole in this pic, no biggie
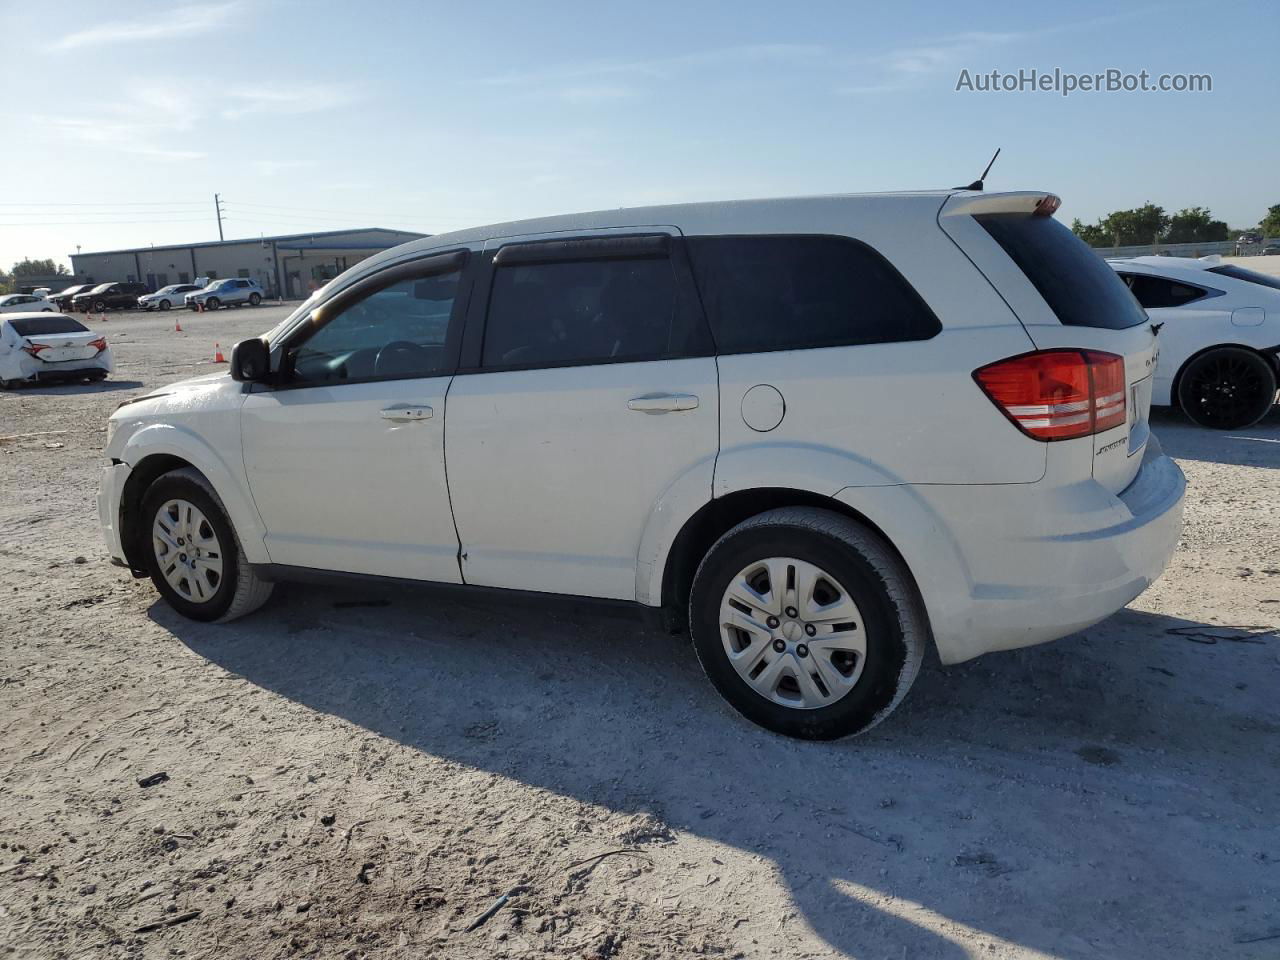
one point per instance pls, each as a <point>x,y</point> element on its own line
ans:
<point>217,205</point>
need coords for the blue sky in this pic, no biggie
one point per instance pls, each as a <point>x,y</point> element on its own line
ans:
<point>123,120</point>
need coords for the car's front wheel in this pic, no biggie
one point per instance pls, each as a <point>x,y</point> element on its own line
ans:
<point>807,623</point>
<point>254,299</point>
<point>213,303</point>
<point>165,305</point>
<point>99,306</point>
<point>192,552</point>
<point>1227,388</point>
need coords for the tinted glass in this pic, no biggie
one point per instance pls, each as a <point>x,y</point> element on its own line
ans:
<point>40,326</point>
<point>396,333</point>
<point>547,314</point>
<point>102,288</point>
<point>1249,276</point>
<point>1159,291</point>
<point>1073,280</point>
<point>792,292</point>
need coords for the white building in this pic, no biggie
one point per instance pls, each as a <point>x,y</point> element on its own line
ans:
<point>291,265</point>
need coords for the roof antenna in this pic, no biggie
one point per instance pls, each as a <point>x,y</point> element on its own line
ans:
<point>977,184</point>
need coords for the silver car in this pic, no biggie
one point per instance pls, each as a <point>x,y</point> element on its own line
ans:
<point>232,292</point>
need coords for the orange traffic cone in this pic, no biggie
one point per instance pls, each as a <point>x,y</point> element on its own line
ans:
<point>177,326</point>
<point>217,354</point>
<point>200,307</point>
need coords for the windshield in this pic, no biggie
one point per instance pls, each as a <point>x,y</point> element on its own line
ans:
<point>172,288</point>
<point>43,326</point>
<point>73,290</point>
<point>102,288</point>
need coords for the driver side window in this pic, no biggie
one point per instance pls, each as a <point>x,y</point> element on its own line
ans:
<point>395,333</point>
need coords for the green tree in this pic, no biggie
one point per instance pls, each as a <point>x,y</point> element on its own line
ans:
<point>1144,224</point>
<point>39,268</point>
<point>1195,225</point>
<point>1270,225</point>
<point>1090,233</point>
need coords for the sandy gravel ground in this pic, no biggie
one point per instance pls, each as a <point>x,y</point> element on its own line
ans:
<point>363,773</point>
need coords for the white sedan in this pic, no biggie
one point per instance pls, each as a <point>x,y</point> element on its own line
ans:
<point>40,347</point>
<point>1219,336</point>
<point>25,303</point>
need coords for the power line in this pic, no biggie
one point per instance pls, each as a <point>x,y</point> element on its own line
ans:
<point>93,223</point>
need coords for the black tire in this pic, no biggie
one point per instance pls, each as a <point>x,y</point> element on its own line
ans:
<point>97,377</point>
<point>254,299</point>
<point>165,305</point>
<point>213,303</point>
<point>99,306</point>
<point>1227,388</point>
<point>239,590</point>
<point>874,577</point>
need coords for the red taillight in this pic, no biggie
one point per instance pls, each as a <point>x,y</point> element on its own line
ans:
<point>1058,394</point>
<point>100,344</point>
<point>35,348</point>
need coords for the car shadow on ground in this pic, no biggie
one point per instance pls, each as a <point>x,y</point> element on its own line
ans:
<point>1042,776</point>
<point>1256,446</point>
<point>72,388</point>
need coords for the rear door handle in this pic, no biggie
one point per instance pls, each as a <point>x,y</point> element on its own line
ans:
<point>663,402</point>
<point>404,412</point>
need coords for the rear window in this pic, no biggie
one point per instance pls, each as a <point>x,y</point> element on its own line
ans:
<point>1248,276</point>
<point>1075,282</point>
<point>765,293</point>
<point>42,326</point>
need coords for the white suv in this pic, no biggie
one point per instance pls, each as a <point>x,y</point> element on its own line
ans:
<point>232,292</point>
<point>822,433</point>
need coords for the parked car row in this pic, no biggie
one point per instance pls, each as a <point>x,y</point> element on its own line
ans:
<point>129,295</point>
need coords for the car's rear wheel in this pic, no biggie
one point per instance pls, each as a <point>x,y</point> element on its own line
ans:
<point>213,303</point>
<point>192,552</point>
<point>1227,388</point>
<point>807,623</point>
<point>165,305</point>
<point>254,299</point>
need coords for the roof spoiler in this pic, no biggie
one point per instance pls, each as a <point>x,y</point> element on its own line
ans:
<point>1029,202</point>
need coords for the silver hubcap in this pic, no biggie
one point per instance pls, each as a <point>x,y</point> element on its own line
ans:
<point>793,634</point>
<point>188,550</point>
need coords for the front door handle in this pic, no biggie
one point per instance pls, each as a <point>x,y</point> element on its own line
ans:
<point>663,402</point>
<point>404,412</point>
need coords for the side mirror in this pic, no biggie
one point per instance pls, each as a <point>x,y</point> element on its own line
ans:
<point>251,361</point>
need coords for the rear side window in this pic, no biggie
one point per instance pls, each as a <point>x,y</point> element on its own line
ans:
<point>583,311</point>
<point>764,293</point>
<point>41,326</point>
<point>1248,276</point>
<point>1160,291</point>
<point>1073,280</point>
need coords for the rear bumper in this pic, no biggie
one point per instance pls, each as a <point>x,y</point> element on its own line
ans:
<point>1020,564</point>
<point>110,491</point>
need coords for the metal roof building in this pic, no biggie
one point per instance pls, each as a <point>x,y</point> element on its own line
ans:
<point>289,265</point>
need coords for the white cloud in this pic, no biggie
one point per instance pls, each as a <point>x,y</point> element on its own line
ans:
<point>177,22</point>
<point>279,99</point>
<point>269,168</point>
<point>121,136</point>
<point>587,82</point>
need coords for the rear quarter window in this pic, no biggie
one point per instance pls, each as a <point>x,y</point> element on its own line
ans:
<point>1248,276</point>
<point>765,293</point>
<point>1075,282</point>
